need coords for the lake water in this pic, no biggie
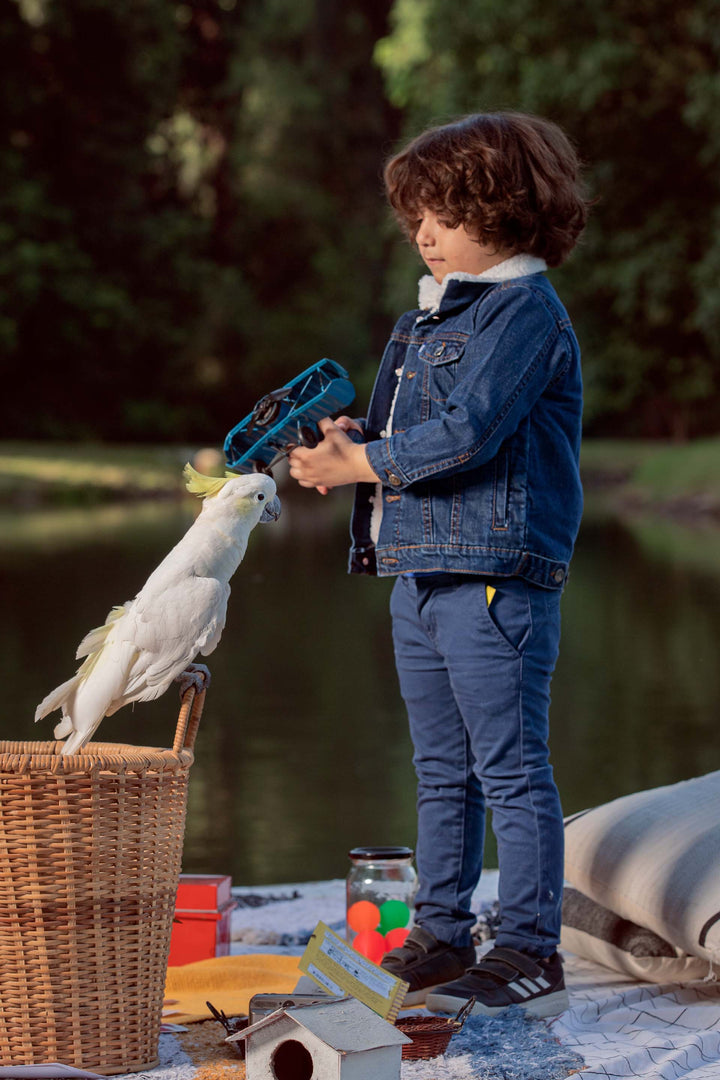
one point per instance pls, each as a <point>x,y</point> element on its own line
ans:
<point>303,750</point>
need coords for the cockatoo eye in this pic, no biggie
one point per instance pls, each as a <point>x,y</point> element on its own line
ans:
<point>260,497</point>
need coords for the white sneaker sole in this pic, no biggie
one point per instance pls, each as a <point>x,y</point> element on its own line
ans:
<point>417,997</point>
<point>546,1005</point>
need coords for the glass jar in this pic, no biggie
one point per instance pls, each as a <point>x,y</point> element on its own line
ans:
<point>380,890</point>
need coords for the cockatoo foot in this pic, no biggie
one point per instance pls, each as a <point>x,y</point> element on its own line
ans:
<point>197,675</point>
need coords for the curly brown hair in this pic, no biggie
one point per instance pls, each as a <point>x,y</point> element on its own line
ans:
<point>511,179</point>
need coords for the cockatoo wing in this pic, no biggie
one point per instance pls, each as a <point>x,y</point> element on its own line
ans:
<point>105,676</point>
<point>169,630</point>
<point>91,646</point>
<point>95,639</point>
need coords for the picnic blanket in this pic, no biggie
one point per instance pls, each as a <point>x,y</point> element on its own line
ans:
<point>616,1027</point>
<point>624,1028</point>
<point>228,981</point>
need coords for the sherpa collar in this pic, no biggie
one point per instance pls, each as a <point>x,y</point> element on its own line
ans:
<point>430,291</point>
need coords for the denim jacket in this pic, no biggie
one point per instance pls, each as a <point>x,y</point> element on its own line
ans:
<point>480,474</point>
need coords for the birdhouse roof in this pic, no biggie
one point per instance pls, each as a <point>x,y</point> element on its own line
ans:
<point>345,1024</point>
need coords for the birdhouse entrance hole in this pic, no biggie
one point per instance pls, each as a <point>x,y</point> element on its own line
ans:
<point>292,1061</point>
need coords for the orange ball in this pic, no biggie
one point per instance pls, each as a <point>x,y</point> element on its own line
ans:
<point>395,938</point>
<point>370,944</point>
<point>363,915</point>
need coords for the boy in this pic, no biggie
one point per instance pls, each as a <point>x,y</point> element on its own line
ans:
<point>469,492</point>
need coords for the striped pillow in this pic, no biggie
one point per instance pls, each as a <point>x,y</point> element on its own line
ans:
<point>593,932</point>
<point>654,858</point>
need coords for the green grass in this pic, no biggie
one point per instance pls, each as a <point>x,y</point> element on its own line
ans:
<point>614,457</point>
<point>654,473</point>
<point>658,472</point>
<point>84,472</point>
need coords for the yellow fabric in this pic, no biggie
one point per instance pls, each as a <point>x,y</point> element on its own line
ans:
<point>228,981</point>
<point>490,591</point>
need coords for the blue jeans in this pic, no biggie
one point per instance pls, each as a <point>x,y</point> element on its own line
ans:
<point>475,679</point>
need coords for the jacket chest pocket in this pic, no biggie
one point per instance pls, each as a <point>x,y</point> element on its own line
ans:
<point>440,357</point>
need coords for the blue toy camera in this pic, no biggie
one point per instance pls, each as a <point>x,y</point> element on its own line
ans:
<point>288,417</point>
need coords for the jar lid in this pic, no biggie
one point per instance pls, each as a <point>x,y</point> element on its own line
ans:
<point>381,853</point>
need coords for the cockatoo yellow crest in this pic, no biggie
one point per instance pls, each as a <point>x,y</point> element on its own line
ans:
<point>205,486</point>
<point>179,612</point>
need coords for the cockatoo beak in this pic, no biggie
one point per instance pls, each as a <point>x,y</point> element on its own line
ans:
<point>271,511</point>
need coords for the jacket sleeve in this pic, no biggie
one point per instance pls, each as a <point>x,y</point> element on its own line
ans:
<point>515,350</point>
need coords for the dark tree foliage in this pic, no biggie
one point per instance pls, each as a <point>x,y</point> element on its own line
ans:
<point>637,86</point>
<point>191,209</point>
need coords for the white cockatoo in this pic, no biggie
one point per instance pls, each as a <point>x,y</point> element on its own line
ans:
<point>179,612</point>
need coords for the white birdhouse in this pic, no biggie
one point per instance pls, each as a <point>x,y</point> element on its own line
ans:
<point>340,1040</point>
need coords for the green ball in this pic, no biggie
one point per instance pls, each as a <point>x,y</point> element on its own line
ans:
<point>393,914</point>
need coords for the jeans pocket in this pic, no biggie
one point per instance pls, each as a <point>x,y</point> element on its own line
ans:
<point>509,613</point>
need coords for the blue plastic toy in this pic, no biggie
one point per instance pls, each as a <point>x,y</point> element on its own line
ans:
<point>288,417</point>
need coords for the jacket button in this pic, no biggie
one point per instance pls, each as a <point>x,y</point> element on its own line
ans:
<point>394,480</point>
<point>558,575</point>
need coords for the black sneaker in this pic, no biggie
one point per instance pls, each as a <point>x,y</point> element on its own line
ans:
<point>424,962</point>
<point>506,977</point>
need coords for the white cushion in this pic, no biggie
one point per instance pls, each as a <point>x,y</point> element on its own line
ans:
<point>654,858</point>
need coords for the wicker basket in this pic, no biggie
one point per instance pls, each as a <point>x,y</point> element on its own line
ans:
<point>90,852</point>
<point>431,1035</point>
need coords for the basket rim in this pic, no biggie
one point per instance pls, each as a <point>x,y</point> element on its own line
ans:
<point>430,1025</point>
<point>25,757</point>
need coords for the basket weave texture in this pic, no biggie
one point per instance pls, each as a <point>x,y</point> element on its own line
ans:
<point>430,1036</point>
<point>90,854</point>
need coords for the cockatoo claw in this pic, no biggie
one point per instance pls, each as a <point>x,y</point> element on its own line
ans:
<point>197,675</point>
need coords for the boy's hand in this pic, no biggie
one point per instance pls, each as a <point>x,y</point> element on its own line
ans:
<point>336,460</point>
<point>346,423</point>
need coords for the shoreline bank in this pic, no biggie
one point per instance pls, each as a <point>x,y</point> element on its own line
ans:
<point>681,481</point>
<point>671,480</point>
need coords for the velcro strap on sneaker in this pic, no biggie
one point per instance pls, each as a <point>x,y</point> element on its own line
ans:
<point>420,940</point>
<point>506,964</point>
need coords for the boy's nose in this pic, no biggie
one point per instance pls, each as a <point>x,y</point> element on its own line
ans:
<point>425,234</point>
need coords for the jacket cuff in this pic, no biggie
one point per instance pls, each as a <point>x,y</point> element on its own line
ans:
<point>387,469</point>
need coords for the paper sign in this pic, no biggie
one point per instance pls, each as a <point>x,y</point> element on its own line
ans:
<point>337,967</point>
